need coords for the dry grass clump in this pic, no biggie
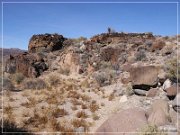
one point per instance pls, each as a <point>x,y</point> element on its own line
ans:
<point>53,80</point>
<point>95,116</point>
<point>52,100</point>
<point>8,109</point>
<point>171,68</point>
<point>151,130</point>
<point>76,102</point>
<point>73,94</point>
<point>18,77</point>
<point>129,90</point>
<point>111,97</point>
<point>34,84</point>
<point>81,114</point>
<point>37,120</point>
<point>84,106</point>
<point>85,98</point>
<point>59,112</point>
<point>80,123</point>
<point>93,106</point>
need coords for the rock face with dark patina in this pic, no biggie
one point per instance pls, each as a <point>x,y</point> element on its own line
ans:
<point>45,43</point>
<point>30,65</point>
<point>144,77</point>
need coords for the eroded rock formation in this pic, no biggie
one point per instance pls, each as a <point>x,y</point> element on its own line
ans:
<point>45,43</point>
<point>30,65</point>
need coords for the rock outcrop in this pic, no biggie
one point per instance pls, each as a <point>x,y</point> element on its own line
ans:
<point>144,77</point>
<point>30,65</point>
<point>45,43</point>
<point>137,38</point>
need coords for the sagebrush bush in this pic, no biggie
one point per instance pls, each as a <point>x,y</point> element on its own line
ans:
<point>34,84</point>
<point>172,68</point>
<point>140,55</point>
<point>18,77</point>
<point>101,78</point>
<point>6,84</point>
<point>129,90</point>
<point>53,80</point>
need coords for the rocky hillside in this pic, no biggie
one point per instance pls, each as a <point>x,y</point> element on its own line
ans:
<point>112,82</point>
<point>10,51</point>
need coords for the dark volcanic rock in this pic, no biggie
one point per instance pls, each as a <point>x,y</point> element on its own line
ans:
<point>29,65</point>
<point>135,38</point>
<point>45,43</point>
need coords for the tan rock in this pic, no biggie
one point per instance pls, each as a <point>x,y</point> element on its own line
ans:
<point>160,113</point>
<point>130,120</point>
<point>152,92</point>
<point>144,77</point>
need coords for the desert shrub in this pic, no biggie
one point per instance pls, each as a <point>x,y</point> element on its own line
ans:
<point>81,114</point>
<point>6,84</point>
<point>34,84</point>
<point>93,106</point>
<point>95,116</point>
<point>151,130</point>
<point>104,65</point>
<point>140,55</point>
<point>129,90</point>
<point>101,78</point>
<point>18,77</point>
<point>171,69</point>
<point>53,80</point>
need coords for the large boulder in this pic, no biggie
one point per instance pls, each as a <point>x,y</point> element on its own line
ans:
<point>144,77</point>
<point>45,43</point>
<point>30,65</point>
<point>160,113</point>
<point>172,91</point>
<point>130,120</point>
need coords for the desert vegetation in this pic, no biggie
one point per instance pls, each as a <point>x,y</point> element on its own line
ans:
<point>79,86</point>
